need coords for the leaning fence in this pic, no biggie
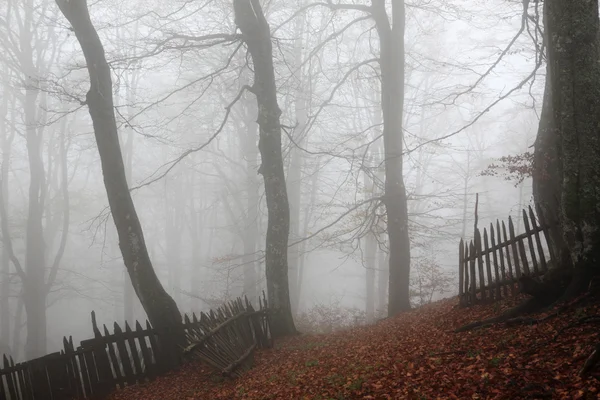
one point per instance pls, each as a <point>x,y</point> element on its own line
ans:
<point>491,264</point>
<point>224,338</point>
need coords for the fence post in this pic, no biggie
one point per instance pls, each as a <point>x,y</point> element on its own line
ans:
<point>461,276</point>
<point>513,246</point>
<point>500,284</point>
<point>473,274</point>
<point>530,242</point>
<point>479,251</point>
<point>538,240</point>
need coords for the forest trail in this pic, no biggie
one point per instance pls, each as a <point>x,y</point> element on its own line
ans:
<point>413,356</point>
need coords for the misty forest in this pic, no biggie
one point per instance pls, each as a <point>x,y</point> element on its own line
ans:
<point>300,199</point>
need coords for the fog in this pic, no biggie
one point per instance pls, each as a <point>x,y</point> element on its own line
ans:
<point>191,156</point>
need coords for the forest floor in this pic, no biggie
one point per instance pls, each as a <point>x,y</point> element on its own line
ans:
<point>415,355</point>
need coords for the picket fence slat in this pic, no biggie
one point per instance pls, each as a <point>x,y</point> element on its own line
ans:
<point>227,338</point>
<point>505,257</point>
<point>501,257</point>
<point>538,240</point>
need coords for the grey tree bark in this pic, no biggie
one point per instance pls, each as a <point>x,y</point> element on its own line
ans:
<point>391,38</point>
<point>546,172</point>
<point>250,231</point>
<point>6,137</point>
<point>251,21</point>
<point>161,309</point>
<point>567,152</point>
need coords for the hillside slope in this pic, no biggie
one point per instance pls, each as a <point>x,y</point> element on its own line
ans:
<point>413,356</point>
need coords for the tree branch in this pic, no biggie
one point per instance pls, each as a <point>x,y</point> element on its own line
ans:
<point>176,161</point>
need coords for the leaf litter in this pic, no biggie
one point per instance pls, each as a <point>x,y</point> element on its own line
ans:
<point>415,355</point>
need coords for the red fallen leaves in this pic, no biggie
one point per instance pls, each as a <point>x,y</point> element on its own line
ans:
<point>413,356</point>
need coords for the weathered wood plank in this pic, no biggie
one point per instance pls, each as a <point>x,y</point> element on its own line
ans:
<point>126,368</point>
<point>149,366</point>
<point>114,361</point>
<point>480,269</point>
<point>538,240</point>
<point>511,275</point>
<point>500,287</point>
<point>461,275</point>
<point>545,226</point>
<point>138,373</point>
<point>473,276</point>
<point>465,266</point>
<point>514,247</point>
<point>530,235</point>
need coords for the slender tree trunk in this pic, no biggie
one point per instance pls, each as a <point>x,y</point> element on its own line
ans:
<point>162,311</point>
<point>382,280</point>
<point>131,91</point>
<point>6,143</point>
<point>17,329</point>
<point>294,177</point>
<point>196,239</point>
<point>250,231</point>
<point>255,29</point>
<point>391,36</point>
<point>370,256</point>
<point>173,234</point>
<point>35,255</point>
<point>308,213</point>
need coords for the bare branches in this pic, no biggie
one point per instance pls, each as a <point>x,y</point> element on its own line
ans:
<point>355,207</point>
<point>455,96</point>
<point>342,6</point>
<point>481,113</point>
<point>176,161</point>
<point>188,85</point>
<point>179,42</point>
<point>336,87</point>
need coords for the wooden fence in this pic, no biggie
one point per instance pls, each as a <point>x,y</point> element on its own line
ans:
<point>489,268</point>
<point>225,338</point>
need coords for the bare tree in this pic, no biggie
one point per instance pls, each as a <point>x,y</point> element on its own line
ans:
<point>251,20</point>
<point>30,52</point>
<point>390,29</point>
<point>566,169</point>
<point>159,306</point>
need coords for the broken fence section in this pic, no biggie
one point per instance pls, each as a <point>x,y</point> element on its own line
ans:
<point>224,338</point>
<point>490,265</point>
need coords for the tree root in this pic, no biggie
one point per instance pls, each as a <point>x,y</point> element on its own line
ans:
<point>591,362</point>
<point>529,306</point>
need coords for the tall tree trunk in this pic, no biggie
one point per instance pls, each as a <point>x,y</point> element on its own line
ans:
<point>173,233</point>
<point>383,274</point>
<point>250,232</point>
<point>35,254</point>
<point>370,258</point>
<point>546,174</point>
<point>391,37</point>
<point>131,92</point>
<point>251,20</point>
<point>17,328</point>
<point>6,143</point>
<point>159,306</point>
<point>568,133</point>
<point>196,241</point>
<point>294,177</point>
